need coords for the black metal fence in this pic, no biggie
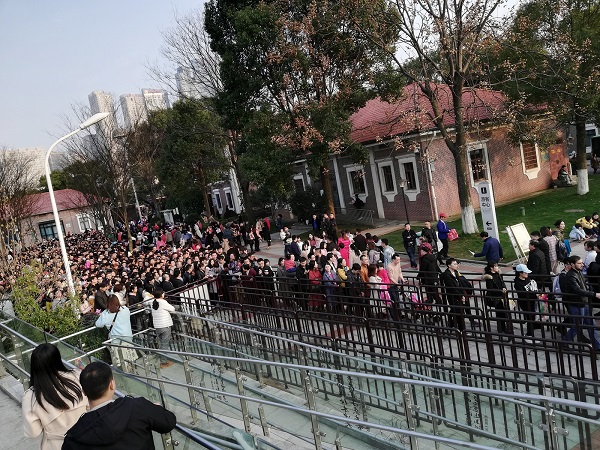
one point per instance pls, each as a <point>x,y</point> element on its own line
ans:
<point>420,325</point>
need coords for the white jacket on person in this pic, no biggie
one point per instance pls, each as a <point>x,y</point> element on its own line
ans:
<point>161,317</point>
<point>52,422</point>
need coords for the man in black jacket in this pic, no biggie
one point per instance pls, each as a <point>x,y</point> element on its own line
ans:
<point>409,239</point>
<point>536,262</point>
<point>101,296</point>
<point>360,242</point>
<point>429,273</point>
<point>126,423</point>
<point>578,302</point>
<point>455,295</point>
<point>543,246</point>
<point>177,280</point>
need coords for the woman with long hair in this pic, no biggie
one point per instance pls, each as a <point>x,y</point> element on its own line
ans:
<point>55,400</point>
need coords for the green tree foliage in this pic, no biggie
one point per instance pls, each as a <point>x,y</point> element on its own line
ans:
<point>60,321</point>
<point>192,155</point>
<point>264,163</point>
<point>306,203</point>
<point>60,180</point>
<point>305,61</point>
<point>552,55</point>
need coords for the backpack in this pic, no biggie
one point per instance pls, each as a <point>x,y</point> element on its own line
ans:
<point>561,250</point>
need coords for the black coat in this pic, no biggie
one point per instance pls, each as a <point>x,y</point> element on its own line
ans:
<point>545,248</point>
<point>100,300</point>
<point>537,264</point>
<point>429,270</point>
<point>453,291</point>
<point>578,289</point>
<point>495,286</point>
<point>167,286</point>
<point>125,424</point>
<point>360,242</point>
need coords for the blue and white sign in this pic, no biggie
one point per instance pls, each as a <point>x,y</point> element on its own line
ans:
<point>488,208</point>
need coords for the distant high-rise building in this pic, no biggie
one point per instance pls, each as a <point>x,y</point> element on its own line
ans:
<point>134,109</point>
<point>155,99</point>
<point>101,101</point>
<point>185,83</point>
<point>34,157</point>
<point>188,86</point>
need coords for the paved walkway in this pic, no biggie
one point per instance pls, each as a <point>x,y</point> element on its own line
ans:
<point>11,424</point>
<point>276,250</point>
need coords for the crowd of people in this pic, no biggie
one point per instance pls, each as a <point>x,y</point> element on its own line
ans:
<point>332,271</point>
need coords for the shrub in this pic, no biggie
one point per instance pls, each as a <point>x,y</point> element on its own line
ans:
<point>26,292</point>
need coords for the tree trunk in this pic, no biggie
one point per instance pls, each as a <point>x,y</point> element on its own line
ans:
<point>327,189</point>
<point>3,252</point>
<point>126,223</point>
<point>204,188</point>
<point>459,151</point>
<point>244,185</point>
<point>583,186</point>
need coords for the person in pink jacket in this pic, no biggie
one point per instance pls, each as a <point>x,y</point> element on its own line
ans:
<point>55,400</point>
<point>344,245</point>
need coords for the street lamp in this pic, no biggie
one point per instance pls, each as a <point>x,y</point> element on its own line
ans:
<point>403,185</point>
<point>63,248</point>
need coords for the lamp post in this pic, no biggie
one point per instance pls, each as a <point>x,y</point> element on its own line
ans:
<point>63,248</point>
<point>403,184</point>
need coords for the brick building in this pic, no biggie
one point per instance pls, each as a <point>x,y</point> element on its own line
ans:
<point>73,209</point>
<point>405,148</point>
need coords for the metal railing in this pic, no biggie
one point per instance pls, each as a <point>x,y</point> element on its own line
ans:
<point>406,328</point>
<point>417,409</point>
<point>483,417</point>
<point>355,215</point>
<point>16,362</point>
<point>274,344</point>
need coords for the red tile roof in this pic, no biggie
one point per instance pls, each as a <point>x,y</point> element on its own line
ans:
<point>379,120</point>
<point>65,199</point>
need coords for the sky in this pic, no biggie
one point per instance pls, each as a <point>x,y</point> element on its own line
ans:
<point>53,54</point>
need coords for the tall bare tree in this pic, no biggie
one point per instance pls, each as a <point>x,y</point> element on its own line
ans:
<point>439,43</point>
<point>106,173</point>
<point>17,183</point>
<point>187,47</point>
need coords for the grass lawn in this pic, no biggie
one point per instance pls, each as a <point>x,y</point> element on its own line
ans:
<point>542,209</point>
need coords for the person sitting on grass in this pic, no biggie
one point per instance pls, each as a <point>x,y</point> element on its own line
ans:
<point>588,226</point>
<point>577,233</point>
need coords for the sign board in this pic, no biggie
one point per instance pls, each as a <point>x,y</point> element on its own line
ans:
<point>168,216</point>
<point>488,208</point>
<point>519,238</point>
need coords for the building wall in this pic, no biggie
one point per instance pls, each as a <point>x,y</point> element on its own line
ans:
<point>69,220</point>
<point>155,99</point>
<point>101,101</point>
<point>133,107</point>
<point>504,162</point>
